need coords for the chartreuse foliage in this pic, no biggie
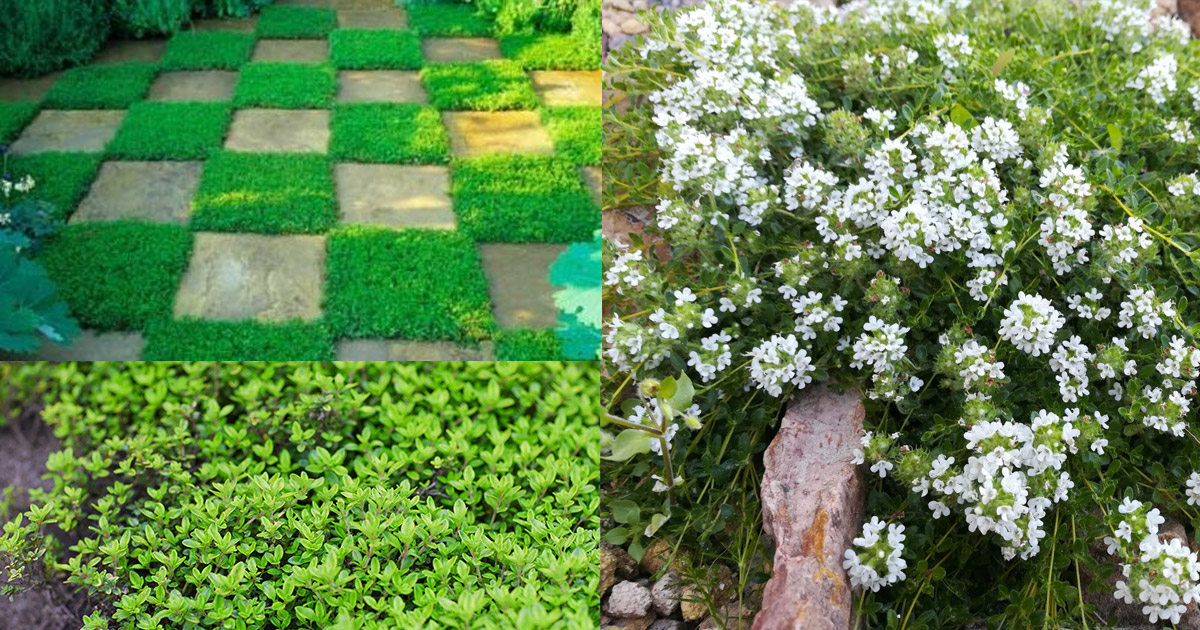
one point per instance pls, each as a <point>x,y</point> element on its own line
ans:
<point>353,495</point>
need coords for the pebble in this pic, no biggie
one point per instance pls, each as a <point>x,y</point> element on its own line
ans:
<point>665,594</point>
<point>629,600</point>
<point>623,5</point>
<point>633,27</point>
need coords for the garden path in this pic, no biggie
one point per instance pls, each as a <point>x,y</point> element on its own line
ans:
<point>244,151</point>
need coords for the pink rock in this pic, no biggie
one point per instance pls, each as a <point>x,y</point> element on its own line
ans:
<point>812,507</point>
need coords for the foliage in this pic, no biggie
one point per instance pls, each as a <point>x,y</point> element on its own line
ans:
<point>13,118</point>
<point>447,20</point>
<point>288,22</point>
<point>522,198</point>
<point>29,309</point>
<point>114,86</point>
<point>265,193</point>
<point>490,85</point>
<point>578,271</point>
<point>407,284</point>
<point>208,50</point>
<point>389,133</point>
<point>554,51</point>
<point>39,37</point>
<point>525,16</point>
<point>171,131</point>
<point>375,50</point>
<point>356,495</point>
<point>286,86</point>
<point>921,200</point>
<point>118,275</point>
<point>62,178</point>
<point>228,8</point>
<point>528,345</point>
<point>204,340</point>
<point>577,133</point>
<point>142,18</point>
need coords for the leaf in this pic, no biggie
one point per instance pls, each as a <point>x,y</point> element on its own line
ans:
<point>617,535</point>
<point>1114,136</point>
<point>1003,60</point>
<point>681,398</point>
<point>961,117</point>
<point>625,511</point>
<point>656,522</point>
<point>628,443</point>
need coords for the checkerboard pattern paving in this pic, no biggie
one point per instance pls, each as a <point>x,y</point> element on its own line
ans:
<point>321,170</point>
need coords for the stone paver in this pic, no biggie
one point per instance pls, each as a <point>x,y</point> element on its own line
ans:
<point>241,25</point>
<point>88,346</point>
<point>519,283</point>
<point>209,85</point>
<point>381,86</point>
<point>477,133</point>
<point>125,50</point>
<point>591,175</point>
<point>279,131</point>
<point>292,50</point>
<point>374,20</point>
<point>559,88</point>
<point>158,192</point>
<point>386,350</point>
<point>250,276</point>
<point>70,131</point>
<point>396,196</point>
<point>27,89</point>
<point>460,49</point>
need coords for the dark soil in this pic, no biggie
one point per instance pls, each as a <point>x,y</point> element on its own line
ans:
<point>25,443</point>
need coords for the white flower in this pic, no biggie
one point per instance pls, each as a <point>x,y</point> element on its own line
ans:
<point>952,48</point>
<point>875,561</point>
<point>1193,489</point>
<point>939,509</point>
<point>1157,79</point>
<point>1030,323</point>
<point>780,361</point>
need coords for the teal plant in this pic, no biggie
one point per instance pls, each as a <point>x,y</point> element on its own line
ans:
<point>579,303</point>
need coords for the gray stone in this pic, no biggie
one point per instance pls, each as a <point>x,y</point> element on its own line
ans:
<point>157,192</point>
<point>250,276</point>
<point>207,85</point>
<point>395,196</point>
<point>812,507</point>
<point>89,346</point>
<point>633,26</point>
<point>519,283</point>
<point>628,600</point>
<point>381,86</point>
<point>562,88</point>
<point>460,49</point>
<point>614,562</point>
<point>292,50</point>
<point>124,50</point>
<point>279,131</point>
<point>478,133</point>
<point>666,594</point>
<point>86,131</point>
<point>372,20</point>
<point>393,350</point>
<point>12,90</point>
<point>668,624</point>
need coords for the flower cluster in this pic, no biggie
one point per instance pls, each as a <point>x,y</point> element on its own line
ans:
<point>1163,576</point>
<point>876,559</point>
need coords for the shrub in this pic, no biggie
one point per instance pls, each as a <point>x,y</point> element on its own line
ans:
<point>983,218</point>
<point>228,8</point>
<point>491,85</point>
<point>393,133</point>
<point>29,309</point>
<point>523,16</point>
<point>552,52</point>
<point>39,37</point>
<point>265,193</point>
<point>142,18</point>
<point>200,340</point>
<point>447,20</point>
<point>522,198</point>
<point>320,495</point>
<point>171,131</point>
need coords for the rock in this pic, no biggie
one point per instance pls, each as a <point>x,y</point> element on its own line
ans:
<point>629,600</point>
<point>634,623</point>
<point>668,624</point>
<point>691,606</point>
<point>655,557</point>
<point>610,27</point>
<point>621,5</point>
<point>724,584</point>
<point>640,5</point>
<point>812,508</point>
<point>665,594</point>
<point>614,562</point>
<point>633,27</point>
<point>1189,11</point>
<point>731,617</point>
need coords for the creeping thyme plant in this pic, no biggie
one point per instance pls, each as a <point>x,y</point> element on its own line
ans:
<point>351,495</point>
<point>982,215</point>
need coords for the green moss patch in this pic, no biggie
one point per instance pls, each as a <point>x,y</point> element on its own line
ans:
<point>171,131</point>
<point>208,50</point>
<point>400,133</point>
<point>266,194</point>
<point>101,87</point>
<point>501,198</point>
<point>409,284</point>
<point>552,52</point>
<point>118,275</point>
<point>447,20</point>
<point>495,84</point>
<point>528,345</point>
<point>13,118</point>
<point>375,50</point>
<point>286,86</point>
<point>577,132</point>
<point>199,340</point>
<point>62,178</point>
<point>287,22</point>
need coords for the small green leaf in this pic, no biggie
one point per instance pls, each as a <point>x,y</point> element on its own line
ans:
<point>656,522</point>
<point>961,117</point>
<point>681,398</point>
<point>625,511</point>
<point>1003,60</point>
<point>1114,136</point>
<point>628,443</point>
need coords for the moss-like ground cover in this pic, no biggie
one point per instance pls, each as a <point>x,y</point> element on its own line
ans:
<point>171,131</point>
<point>265,194</point>
<point>399,133</point>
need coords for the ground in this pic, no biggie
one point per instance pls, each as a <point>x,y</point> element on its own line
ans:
<point>330,179</point>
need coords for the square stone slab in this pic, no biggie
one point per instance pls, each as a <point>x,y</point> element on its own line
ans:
<point>208,85</point>
<point>279,131</point>
<point>477,133</point>
<point>558,88</point>
<point>240,25</point>
<point>395,196</point>
<point>372,20</point>
<point>88,346</point>
<point>158,192</point>
<point>84,131</point>
<point>519,283</point>
<point>460,49</point>
<point>380,86</point>
<point>250,276</point>
<point>124,50</point>
<point>385,350</point>
<point>292,50</point>
<point>591,175</point>
<point>27,89</point>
